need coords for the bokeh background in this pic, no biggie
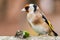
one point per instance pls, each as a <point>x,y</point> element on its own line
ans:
<point>12,19</point>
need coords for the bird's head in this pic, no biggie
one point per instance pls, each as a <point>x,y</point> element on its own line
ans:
<point>30,8</point>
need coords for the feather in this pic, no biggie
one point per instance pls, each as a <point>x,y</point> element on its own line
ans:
<point>50,25</point>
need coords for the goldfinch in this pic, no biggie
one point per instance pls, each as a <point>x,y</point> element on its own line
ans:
<point>38,21</point>
<point>22,34</point>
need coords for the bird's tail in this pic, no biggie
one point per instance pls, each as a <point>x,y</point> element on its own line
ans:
<point>55,34</point>
<point>51,27</point>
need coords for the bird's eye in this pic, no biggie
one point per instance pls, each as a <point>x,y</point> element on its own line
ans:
<point>27,8</point>
<point>35,7</point>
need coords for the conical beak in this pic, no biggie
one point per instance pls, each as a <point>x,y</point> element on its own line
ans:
<point>23,10</point>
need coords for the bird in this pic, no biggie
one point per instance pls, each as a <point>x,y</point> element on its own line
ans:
<point>38,21</point>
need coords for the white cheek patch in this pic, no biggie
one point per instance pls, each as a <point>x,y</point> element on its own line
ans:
<point>31,8</point>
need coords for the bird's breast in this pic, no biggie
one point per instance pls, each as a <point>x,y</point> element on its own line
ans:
<point>39,28</point>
